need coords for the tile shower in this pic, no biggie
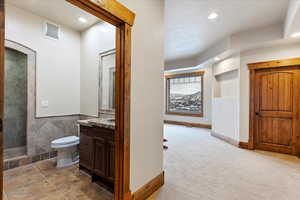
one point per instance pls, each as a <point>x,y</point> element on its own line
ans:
<point>15,107</point>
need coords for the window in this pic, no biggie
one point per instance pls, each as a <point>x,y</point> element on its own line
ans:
<point>184,94</point>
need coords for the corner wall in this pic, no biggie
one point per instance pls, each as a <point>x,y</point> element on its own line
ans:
<point>57,72</point>
<point>146,91</point>
<point>225,102</point>
<point>56,78</point>
<point>95,40</point>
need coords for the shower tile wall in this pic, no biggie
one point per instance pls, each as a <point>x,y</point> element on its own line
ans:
<point>15,110</point>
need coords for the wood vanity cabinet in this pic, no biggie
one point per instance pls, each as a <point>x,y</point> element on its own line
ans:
<point>96,151</point>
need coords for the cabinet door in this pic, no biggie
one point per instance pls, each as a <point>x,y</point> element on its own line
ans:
<point>86,151</point>
<point>100,157</point>
<point>111,161</point>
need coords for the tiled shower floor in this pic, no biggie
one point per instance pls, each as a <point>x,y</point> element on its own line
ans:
<point>42,181</point>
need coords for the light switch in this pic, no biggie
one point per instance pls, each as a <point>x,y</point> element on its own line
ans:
<point>45,104</point>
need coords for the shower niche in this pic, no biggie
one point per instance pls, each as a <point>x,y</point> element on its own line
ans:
<point>15,104</point>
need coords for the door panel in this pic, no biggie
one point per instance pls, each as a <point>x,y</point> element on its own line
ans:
<point>276,108</point>
<point>100,157</point>
<point>111,161</point>
<point>86,151</point>
<point>275,131</point>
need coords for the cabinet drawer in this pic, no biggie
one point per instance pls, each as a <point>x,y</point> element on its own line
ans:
<point>104,133</point>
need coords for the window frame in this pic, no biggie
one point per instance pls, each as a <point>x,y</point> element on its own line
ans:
<point>173,76</point>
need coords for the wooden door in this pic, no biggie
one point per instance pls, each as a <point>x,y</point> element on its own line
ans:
<point>100,157</point>
<point>276,120</point>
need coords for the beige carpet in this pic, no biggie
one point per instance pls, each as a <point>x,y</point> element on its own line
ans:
<point>199,166</point>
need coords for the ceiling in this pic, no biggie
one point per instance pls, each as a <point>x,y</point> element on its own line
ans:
<point>58,11</point>
<point>189,31</point>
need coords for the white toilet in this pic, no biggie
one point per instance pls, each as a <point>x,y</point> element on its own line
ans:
<point>67,151</point>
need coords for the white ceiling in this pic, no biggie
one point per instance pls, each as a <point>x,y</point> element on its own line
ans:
<point>189,32</point>
<point>58,11</point>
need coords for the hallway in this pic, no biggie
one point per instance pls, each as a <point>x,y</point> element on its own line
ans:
<point>199,166</point>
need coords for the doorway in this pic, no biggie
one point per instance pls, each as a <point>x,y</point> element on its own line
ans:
<point>122,18</point>
<point>274,120</point>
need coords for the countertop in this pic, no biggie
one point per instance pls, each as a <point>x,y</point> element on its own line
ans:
<point>98,122</point>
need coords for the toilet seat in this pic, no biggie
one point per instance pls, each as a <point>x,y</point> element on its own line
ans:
<point>65,142</point>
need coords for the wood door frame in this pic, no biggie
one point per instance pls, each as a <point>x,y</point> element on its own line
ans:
<point>254,67</point>
<point>122,18</point>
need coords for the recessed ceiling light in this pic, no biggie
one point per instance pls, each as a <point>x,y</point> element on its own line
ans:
<point>217,59</point>
<point>295,35</point>
<point>82,20</point>
<point>213,15</point>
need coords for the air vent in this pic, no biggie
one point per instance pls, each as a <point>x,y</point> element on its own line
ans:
<point>51,30</point>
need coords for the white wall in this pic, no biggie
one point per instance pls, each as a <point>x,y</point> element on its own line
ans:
<point>225,117</point>
<point>95,40</point>
<point>227,65</point>
<point>58,62</point>
<point>228,84</point>
<point>225,104</point>
<point>258,55</point>
<point>291,25</point>
<point>207,99</point>
<point>147,91</point>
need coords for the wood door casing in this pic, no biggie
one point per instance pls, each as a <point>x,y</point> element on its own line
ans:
<point>276,123</point>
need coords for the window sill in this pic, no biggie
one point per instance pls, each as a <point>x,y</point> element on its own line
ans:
<point>185,114</point>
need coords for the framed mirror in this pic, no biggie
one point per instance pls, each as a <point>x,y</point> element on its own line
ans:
<point>107,71</point>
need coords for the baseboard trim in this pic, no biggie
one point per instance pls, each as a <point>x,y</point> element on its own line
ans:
<point>225,139</point>
<point>196,125</point>
<point>151,187</point>
<point>244,145</point>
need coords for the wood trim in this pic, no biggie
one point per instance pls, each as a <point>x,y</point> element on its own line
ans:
<point>188,124</point>
<point>110,11</point>
<point>167,92</point>
<point>122,136</point>
<point>200,73</point>
<point>225,139</point>
<point>252,110</point>
<point>185,114</point>
<point>151,187</point>
<point>244,145</point>
<point>275,64</point>
<point>2,57</point>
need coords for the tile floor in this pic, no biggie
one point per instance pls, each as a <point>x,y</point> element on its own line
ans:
<point>42,181</point>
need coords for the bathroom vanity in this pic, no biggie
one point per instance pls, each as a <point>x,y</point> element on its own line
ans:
<point>96,150</point>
